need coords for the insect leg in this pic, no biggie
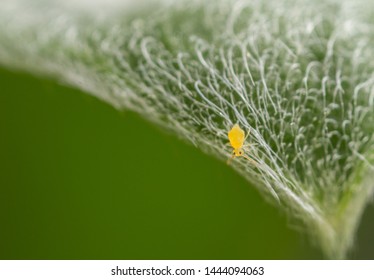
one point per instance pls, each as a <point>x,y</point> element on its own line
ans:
<point>249,131</point>
<point>248,145</point>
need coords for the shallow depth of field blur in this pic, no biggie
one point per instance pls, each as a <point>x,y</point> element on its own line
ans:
<point>80,180</point>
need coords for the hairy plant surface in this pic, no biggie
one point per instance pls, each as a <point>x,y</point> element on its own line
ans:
<point>297,74</point>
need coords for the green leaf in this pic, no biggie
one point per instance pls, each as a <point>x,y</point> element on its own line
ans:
<point>298,75</point>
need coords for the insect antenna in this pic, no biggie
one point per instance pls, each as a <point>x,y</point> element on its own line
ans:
<point>230,159</point>
<point>255,163</point>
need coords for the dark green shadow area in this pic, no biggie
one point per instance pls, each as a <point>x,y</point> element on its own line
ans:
<point>80,180</point>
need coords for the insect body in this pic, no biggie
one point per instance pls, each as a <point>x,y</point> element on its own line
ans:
<point>237,139</point>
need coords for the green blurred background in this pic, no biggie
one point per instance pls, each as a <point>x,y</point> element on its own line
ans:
<point>80,180</point>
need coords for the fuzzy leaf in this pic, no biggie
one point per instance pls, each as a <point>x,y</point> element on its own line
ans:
<point>297,74</point>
